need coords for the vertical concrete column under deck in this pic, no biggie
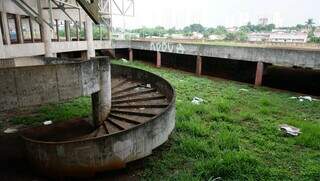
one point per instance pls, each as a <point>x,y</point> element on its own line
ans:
<point>1,39</point>
<point>101,101</point>
<point>199,65</point>
<point>67,29</point>
<point>158,59</point>
<point>46,32</point>
<point>19,28</point>
<point>259,74</point>
<point>5,26</point>
<point>89,37</point>
<point>130,54</point>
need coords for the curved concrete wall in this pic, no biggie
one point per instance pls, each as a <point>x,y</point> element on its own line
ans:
<point>37,85</point>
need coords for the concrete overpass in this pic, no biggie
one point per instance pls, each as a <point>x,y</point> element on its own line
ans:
<point>288,57</point>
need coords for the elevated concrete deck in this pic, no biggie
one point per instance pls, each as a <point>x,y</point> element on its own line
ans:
<point>278,56</point>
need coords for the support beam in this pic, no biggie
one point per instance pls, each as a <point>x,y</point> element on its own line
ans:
<point>1,39</point>
<point>67,30</point>
<point>158,59</point>
<point>19,28</point>
<point>101,101</point>
<point>259,74</point>
<point>46,33</point>
<point>130,54</point>
<point>112,53</point>
<point>199,66</point>
<point>89,37</point>
<point>5,26</point>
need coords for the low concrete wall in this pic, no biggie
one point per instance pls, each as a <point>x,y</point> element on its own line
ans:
<point>37,85</point>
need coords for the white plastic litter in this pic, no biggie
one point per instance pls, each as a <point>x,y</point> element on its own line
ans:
<point>10,130</point>
<point>47,122</point>
<point>304,98</point>
<point>244,90</point>
<point>197,101</point>
<point>289,130</point>
<point>148,85</point>
<point>124,60</point>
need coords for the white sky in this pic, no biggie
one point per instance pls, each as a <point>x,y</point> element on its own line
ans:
<point>210,13</point>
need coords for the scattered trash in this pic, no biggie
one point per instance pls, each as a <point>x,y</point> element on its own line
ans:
<point>10,130</point>
<point>244,90</point>
<point>47,122</point>
<point>124,60</point>
<point>197,101</point>
<point>304,98</point>
<point>148,85</point>
<point>289,130</point>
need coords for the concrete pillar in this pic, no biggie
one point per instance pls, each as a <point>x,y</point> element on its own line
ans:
<point>130,54</point>
<point>67,29</point>
<point>1,39</point>
<point>259,74</point>
<point>19,28</point>
<point>89,37</point>
<point>112,53</point>
<point>46,33</point>
<point>5,27</point>
<point>101,101</point>
<point>199,65</point>
<point>158,59</point>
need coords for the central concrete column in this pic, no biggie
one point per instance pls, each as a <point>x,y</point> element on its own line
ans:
<point>259,74</point>
<point>199,65</point>
<point>101,101</point>
<point>5,26</point>
<point>89,37</point>
<point>1,39</point>
<point>46,32</point>
<point>130,54</point>
<point>67,30</point>
<point>158,59</point>
<point>19,29</point>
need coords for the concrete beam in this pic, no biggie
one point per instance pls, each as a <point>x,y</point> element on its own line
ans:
<point>130,54</point>
<point>158,59</point>
<point>199,66</point>
<point>101,101</point>
<point>19,28</point>
<point>5,27</point>
<point>259,74</point>
<point>67,30</point>
<point>1,39</point>
<point>89,37</point>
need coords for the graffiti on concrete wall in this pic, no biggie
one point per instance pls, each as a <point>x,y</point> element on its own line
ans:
<point>167,47</point>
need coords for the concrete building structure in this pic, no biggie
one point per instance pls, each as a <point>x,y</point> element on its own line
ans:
<point>282,37</point>
<point>258,37</point>
<point>23,40</point>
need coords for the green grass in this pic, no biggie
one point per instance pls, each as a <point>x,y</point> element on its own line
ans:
<point>233,134</point>
<point>78,108</point>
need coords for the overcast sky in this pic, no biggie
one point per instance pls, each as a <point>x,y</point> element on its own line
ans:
<point>210,13</point>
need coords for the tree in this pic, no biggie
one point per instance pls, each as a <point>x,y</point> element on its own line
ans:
<point>309,23</point>
<point>193,28</point>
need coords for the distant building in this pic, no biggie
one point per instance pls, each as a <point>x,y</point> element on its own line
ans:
<point>258,37</point>
<point>317,34</point>
<point>178,36</point>
<point>217,37</point>
<point>278,30</point>
<point>232,29</point>
<point>282,37</point>
<point>196,35</point>
<point>263,21</point>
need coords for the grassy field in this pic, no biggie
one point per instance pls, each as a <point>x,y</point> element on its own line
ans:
<point>233,134</point>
